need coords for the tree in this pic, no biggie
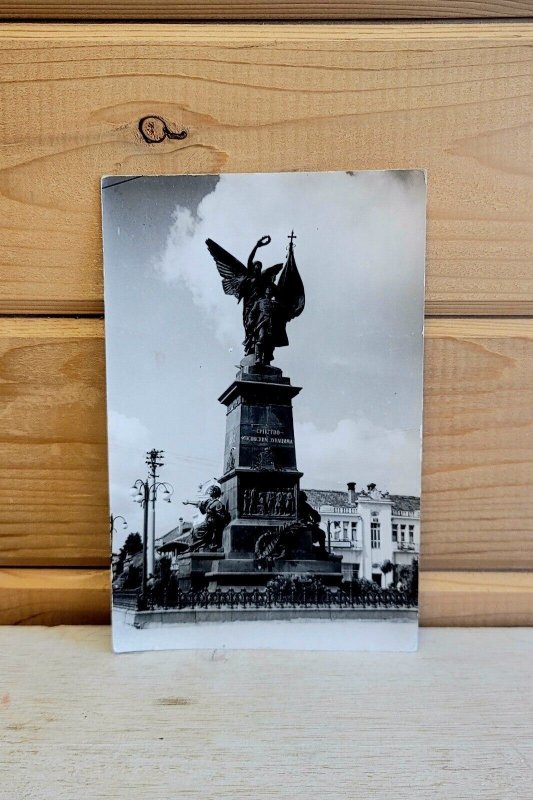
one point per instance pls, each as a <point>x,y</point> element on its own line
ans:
<point>404,573</point>
<point>131,547</point>
<point>409,578</point>
<point>387,567</point>
<point>133,544</point>
<point>413,583</point>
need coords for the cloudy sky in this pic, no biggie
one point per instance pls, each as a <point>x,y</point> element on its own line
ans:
<point>173,339</point>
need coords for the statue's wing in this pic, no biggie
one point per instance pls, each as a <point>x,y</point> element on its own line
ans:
<point>230,269</point>
<point>271,272</point>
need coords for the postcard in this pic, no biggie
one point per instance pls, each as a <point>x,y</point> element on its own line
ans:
<point>264,356</point>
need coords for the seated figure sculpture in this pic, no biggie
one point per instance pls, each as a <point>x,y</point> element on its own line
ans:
<point>208,534</point>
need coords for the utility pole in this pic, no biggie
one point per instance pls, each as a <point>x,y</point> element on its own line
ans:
<point>145,492</point>
<point>154,460</point>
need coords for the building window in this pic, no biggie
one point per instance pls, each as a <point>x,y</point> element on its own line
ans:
<point>354,531</point>
<point>356,570</point>
<point>376,578</point>
<point>411,534</point>
<point>402,534</point>
<point>346,571</point>
<point>345,531</point>
<point>394,531</point>
<point>336,530</point>
<point>375,535</point>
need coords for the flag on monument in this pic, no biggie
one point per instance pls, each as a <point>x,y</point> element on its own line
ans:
<point>290,284</point>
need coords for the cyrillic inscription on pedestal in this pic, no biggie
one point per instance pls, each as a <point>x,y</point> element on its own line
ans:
<point>259,426</point>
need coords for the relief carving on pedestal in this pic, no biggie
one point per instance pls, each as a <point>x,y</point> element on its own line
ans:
<point>265,460</point>
<point>268,502</point>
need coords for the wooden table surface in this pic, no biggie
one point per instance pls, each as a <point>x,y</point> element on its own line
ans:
<point>451,721</point>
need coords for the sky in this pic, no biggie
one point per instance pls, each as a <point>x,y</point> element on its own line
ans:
<point>174,339</point>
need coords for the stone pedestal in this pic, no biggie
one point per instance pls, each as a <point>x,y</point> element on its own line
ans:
<point>261,481</point>
<point>193,568</point>
<point>243,573</point>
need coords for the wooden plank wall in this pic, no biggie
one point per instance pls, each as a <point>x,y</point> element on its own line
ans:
<point>454,99</point>
<point>262,9</point>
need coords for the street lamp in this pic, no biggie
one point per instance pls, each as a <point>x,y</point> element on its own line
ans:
<point>145,492</point>
<point>140,492</point>
<point>113,519</point>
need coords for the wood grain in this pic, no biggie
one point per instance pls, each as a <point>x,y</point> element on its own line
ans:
<point>461,599</point>
<point>260,9</point>
<point>82,596</point>
<point>53,466</point>
<point>477,510</point>
<point>454,99</point>
<point>54,597</point>
<point>453,720</point>
<point>477,504</point>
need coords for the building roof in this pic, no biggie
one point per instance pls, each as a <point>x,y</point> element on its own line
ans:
<point>136,560</point>
<point>327,497</point>
<point>175,535</point>
<point>334,497</point>
<point>402,502</point>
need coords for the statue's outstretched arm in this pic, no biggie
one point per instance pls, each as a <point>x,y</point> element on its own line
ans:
<point>264,240</point>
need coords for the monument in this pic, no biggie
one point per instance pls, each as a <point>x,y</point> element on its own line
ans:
<point>269,528</point>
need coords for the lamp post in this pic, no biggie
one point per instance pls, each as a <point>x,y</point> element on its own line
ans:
<point>140,492</point>
<point>112,519</point>
<point>145,492</point>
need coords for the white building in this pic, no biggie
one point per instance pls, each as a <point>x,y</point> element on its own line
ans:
<point>173,543</point>
<point>368,528</point>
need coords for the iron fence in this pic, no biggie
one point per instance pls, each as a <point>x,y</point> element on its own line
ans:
<point>314,595</point>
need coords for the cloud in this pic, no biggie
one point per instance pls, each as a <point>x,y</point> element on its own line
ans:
<point>357,348</point>
<point>185,258</point>
<point>126,431</point>
<point>361,451</point>
<point>353,229</point>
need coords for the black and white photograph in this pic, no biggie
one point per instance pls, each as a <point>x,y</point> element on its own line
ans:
<point>264,357</point>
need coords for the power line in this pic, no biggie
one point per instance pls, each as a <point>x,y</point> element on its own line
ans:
<point>117,183</point>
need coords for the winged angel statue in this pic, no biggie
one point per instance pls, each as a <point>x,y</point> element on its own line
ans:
<point>267,306</point>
